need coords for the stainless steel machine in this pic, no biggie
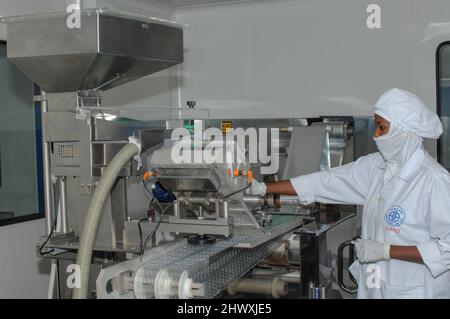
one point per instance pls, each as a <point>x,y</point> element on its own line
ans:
<point>209,239</point>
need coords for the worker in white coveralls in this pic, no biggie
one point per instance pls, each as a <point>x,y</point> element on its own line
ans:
<point>405,237</point>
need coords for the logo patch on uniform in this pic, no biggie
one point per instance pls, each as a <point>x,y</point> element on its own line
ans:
<point>395,216</point>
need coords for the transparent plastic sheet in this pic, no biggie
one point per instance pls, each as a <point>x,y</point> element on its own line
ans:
<point>185,257</point>
<point>232,264</point>
<point>223,163</point>
<point>138,115</point>
<point>106,11</point>
<point>211,267</point>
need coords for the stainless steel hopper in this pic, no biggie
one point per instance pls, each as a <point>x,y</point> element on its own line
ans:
<point>106,51</point>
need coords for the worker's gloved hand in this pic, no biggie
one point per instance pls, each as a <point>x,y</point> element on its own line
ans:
<point>369,251</point>
<point>256,189</point>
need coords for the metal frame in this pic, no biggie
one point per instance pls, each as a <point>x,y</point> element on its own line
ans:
<point>40,214</point>
<point>438,94</point>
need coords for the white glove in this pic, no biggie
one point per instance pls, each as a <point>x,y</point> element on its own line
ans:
<point>369,251</point>
<point>256,189</point>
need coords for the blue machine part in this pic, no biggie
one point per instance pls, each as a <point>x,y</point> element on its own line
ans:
<point>161,194</point>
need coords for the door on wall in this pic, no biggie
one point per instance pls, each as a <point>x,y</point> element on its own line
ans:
<point>443,98</point>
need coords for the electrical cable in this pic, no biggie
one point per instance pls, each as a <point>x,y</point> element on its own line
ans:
<point>236,192</point>
<point>140,232</point>
<point>140,228</point>
<point>48,238</point>
<point>154,230</point>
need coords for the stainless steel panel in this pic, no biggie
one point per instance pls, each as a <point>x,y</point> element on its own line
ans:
<point>113,130</point>
<point>150,138</point>
<point>49,36</point>
<point>65,154</point>
<point>66,171</point>
<point>363,129</point>
<point>263,123</point>
<point>60,127</point>
<point>140,39</point>
<point>77,206</point>
<point>119,211</point>
<point>121,130</point>
<point>189,179</point>
<point>62,102</point>
<point>86,137</point>
<point>124,172</point>
<point>338,136</point>
<point>104,152</point>
<point>57,74</point>
<point>304,151</point>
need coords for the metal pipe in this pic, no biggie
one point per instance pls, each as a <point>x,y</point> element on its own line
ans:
<point>276,287</point>
<point>288,276</point>
<point>118,75</point>
<point>270,201</point>
<point>225,209</point>
<point>63,203</point>
<point>176,209</point>
<point>48,194</point>
<point>254,200</point>
<point>286,200</point>
<point>273,201</point>
<point>257,200</point>
<point>199,200</point>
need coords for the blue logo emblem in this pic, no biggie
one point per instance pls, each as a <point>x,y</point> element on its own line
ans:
<point>395,216</point>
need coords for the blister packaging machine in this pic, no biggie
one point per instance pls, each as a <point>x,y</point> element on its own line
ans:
<point>205,238</point>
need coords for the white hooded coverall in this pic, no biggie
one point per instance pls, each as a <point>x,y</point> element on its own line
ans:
<point>406,198</point>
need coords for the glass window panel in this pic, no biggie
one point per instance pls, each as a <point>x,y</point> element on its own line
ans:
<point>20,150</point>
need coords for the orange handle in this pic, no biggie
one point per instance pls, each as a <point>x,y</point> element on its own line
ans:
<point>147,175</point>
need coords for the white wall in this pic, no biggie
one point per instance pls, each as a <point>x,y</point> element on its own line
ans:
<point>307,58</point>
<point>299,58</point>
<point>153,90</point>
<point>9,8</point>
<point>22,273</point>
<point>143,7</point>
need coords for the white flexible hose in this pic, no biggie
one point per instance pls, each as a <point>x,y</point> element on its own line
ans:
<point>93,215</point>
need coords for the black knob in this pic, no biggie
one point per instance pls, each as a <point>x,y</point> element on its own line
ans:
<point>191,104</point>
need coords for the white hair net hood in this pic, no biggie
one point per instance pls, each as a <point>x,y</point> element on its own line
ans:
<point>409,112</point>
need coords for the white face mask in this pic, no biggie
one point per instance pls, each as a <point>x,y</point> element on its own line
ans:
<point>396,147</point>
